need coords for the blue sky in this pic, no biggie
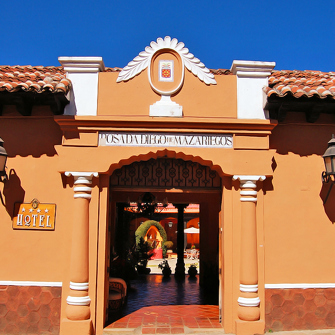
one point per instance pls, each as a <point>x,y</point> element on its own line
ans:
<point>296,35</point>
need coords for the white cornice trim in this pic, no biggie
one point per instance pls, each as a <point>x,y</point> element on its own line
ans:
<point>82,64</point>
<point>300,285</point>
<point>81,174</point>
<point>252,69</point>
<point>245,178</point>
<point>30,283</point>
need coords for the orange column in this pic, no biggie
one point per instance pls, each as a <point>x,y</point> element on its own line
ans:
<point>248,300</point>
<point>78,301</point>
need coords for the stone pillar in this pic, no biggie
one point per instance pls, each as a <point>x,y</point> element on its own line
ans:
<point>248,300</point>
<point>180,266</point>
<point>78,301</point>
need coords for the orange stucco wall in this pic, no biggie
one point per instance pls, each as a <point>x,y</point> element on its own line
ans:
<point>295,233</point>
<point>133,98</point>
<point>299,234</point>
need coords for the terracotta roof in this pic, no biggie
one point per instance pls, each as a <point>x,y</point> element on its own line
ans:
<point>113,69</point>
<point>34,79</point>
<point>301,84</point>
<point>281,83</point>
<point>221,72</point>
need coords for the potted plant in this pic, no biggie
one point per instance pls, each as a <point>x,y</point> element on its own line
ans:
<point>192,270</point>
<point>165,267</point>
<point>143,253</point>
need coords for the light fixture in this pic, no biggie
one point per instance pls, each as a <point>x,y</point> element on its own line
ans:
<point>147,204</point>
<point>329,159</point>
<point>198,224</point>
<point>3,159</point>
<point>170,224</point>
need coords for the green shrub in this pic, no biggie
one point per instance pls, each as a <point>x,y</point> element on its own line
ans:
<point>168,244</point>
<point>144,227</point>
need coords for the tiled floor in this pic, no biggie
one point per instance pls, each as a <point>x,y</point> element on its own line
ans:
<point>167,306</point>
<point>179,319</point>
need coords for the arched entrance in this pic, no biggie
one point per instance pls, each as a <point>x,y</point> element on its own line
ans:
<point>179,182</point>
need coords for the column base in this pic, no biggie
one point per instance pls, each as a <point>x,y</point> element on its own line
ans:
<point>82,327</point>
<point>249,327</point>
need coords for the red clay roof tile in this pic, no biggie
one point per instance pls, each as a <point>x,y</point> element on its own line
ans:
<point>34,79</point>
<point>281,83</point>
<point>309,84</point>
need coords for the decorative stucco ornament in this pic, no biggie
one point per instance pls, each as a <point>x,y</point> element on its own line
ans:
<point>168,57</point>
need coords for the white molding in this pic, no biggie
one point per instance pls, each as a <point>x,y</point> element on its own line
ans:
<point>84,75</point>
<point>250,192</point>
<point>82,64</point>
<point>248,199</point>
<point>252,69</point>
<point>248,302</point>
<point>78,301</point>
<point>299,285</point>
<point>30,283</point>
<point>82,189</point>
<point>248,288</point>
<point>143,60</point>
<point>82,195</point>
<point>246,178</point>
<point>78,286</point>
<point>166,107</point>
<point>86,176</point>
<point>252,77</point>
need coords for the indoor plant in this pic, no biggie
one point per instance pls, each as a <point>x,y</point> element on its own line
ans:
<point>192,270</point>
<point>165,267</point>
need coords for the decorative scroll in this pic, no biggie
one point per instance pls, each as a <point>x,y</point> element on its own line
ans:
<point>166,173</point>
<point>142,61</point>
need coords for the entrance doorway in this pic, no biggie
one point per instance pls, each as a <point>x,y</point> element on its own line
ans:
<point>173,183</point>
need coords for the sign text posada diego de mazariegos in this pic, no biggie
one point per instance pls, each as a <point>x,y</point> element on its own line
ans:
<point>165,139</point>
<point>34,216</point>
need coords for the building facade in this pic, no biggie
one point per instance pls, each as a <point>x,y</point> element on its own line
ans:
<point>246,144</point>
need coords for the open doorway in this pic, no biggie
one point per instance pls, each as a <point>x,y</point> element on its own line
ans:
<point>201,199</point>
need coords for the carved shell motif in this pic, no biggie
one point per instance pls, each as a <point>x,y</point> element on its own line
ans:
<point>142,61</point>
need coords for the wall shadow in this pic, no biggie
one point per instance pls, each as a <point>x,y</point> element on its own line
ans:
<point>327,195</point>
<point>302,138</point>
<point>12,192</point>
<point>30,136</point>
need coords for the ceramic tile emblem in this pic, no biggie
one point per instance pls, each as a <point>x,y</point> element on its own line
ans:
<point>166,70</point>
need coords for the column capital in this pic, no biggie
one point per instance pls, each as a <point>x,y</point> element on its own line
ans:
<point>182,206</point>
<point>248,181</point>
<point>250,178</point>
<point>76,175</point>
<point>84,179</point>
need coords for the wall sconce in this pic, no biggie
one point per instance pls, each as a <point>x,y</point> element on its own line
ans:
<point>198,224</point>
<point>170,224</point>
<point>329,160</point>
<point>3,159</point>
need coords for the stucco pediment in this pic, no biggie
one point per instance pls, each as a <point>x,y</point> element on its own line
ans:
<point>166,61</point>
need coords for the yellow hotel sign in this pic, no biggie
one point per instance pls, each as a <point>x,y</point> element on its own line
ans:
<point>34,216</point>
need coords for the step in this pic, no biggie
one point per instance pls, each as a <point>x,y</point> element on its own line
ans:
<point>163,330</point>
